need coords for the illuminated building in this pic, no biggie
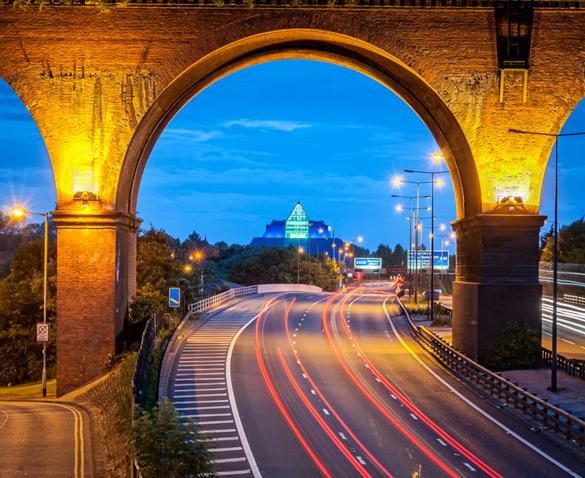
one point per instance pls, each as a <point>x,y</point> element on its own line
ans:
<point>314,236</point>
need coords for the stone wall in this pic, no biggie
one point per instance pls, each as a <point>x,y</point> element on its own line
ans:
<point>109,402</point>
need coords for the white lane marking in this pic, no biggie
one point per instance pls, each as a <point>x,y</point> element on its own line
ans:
<point>194,402</point>
<point>234,438</point>
<point>441,442</point>
<point>232,473</point>
<point>414,416</point>
<point>204,415</point>
<point>468,466</point>
<point>221,450</point>
<point>212,422</point>
<point>228,460</point>
<point>218,430</point>
<point>568,341</point>
<point>186,409</point>
<point>342,435</point>
<point>313,392</point>
<point>509,431</point>
<point>325,411</point>
<point>361,460</point>
<point>228,362</point>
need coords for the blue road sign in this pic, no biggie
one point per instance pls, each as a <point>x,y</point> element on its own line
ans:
<point>368,263</point>
<point>174,297</point>
<point>440,262</point>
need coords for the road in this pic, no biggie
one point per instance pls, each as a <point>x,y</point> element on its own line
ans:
<point>571,328</point>
<point>329,385</point>
<point>43,440</point>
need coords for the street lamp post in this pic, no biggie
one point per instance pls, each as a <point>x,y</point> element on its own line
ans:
<point>397,182</point>
<point>20,213</point>
<point>553,368</point>
<point>411,210</point>
<point>432,262</point>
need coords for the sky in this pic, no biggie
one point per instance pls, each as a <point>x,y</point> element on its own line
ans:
<point>244,150</point>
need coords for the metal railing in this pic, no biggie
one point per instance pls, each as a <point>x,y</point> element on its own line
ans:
<point>574,299</point>
<point>550,416</point>
<point>573,367</point>
<point>144,360</point>
<point>215,300</point>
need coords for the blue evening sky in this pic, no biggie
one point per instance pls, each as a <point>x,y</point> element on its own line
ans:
<point>247,148</point>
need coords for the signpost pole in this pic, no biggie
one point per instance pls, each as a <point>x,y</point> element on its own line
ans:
<point>45,279</point>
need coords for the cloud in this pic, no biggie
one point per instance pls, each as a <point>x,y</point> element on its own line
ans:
<point>277,125</point>
<point>191,135</point>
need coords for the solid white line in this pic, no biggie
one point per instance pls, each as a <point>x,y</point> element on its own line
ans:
<point>468,466</point>
<point>441,442</point>
<point>247,450</point>
<point>228,460</point>
<point>361,460</point>
<point>220,450</point>
<point>235,438</point>
<point>219,430</point>
<point>509,431</point>
<point>205,415</point>
<point>231,473</point>
<point>213,422</point>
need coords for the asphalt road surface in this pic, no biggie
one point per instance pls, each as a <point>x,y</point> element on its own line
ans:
<point>571,328</point>
<point>330,385</point>
<point>43,440</point>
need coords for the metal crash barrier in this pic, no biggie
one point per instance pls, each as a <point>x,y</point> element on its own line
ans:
<point>549,416</point>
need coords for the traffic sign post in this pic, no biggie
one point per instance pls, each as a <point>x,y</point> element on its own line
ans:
<point>42,332</point>
<point>174,297</point>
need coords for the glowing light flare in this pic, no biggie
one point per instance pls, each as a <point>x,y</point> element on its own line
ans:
<point>300,250</point>
<point>399,208</point>
<point>437,157</point>
<point>439,182</point>
<point>187,268</point>
<point>397,181</point>
<point>18,212</point>
<point>360,239</point>
<point>442,227</point>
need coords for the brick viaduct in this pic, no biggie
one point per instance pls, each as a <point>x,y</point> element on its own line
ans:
<point>102,84</point>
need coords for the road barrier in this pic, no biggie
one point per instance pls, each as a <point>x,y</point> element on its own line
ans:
<point>144,359</point>
<point>218,299</point>
<point>574,367</point>
<point>574,299</point>
<point>550,416</point>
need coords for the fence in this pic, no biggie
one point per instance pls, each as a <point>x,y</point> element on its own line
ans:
<point>550,416</point>
<point>574,367</point>
<point>219,299</point>
<point>574,299</point>
<point>144,359</point>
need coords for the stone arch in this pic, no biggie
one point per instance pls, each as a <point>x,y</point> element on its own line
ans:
<point>306,44</point>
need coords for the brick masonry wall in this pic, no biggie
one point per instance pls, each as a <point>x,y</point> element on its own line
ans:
<point>109,402</point>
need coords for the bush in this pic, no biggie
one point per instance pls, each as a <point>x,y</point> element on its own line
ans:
<point>518,347</point>
<point>167,447</point>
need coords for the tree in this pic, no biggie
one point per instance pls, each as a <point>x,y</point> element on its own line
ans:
<point>21,307</point>
<point>167,447</point>
<point>571,244</point>
<point>278,265</point>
